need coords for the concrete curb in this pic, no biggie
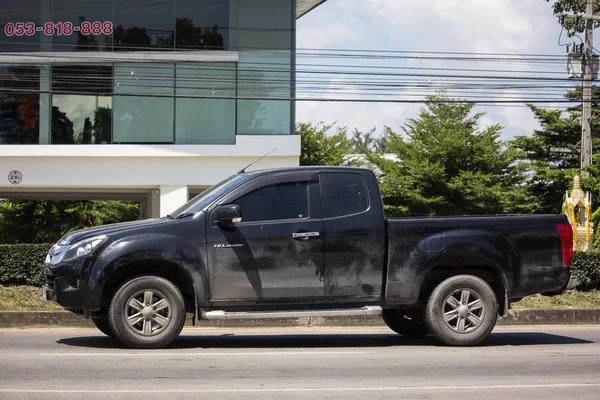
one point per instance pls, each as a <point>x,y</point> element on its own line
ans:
<point>48,319</point>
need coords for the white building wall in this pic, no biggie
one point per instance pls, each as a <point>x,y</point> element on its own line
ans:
<point>166,170</point>
<point>171,197</point>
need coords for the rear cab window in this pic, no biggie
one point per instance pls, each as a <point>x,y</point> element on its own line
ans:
<point>343,194</point>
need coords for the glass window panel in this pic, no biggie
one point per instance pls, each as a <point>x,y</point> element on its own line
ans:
<point>265,24</point>
<point>20,11</point>
<point>143,105</point>
<point>202,24</point>
<point>19,105</point>
<point>206,115</point>
<point>82,79</point>
<point>84,15</point>
<point>275,202</point>
<point>144,25</point>
<point>78,119</point>
<point>267,75</point>
<point>343,194</point>
<point>264,117</point>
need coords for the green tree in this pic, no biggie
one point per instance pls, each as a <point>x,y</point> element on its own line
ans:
<point>572,25</point>
<point>38,221</point>
<point>366,142</point>
<point>321,148</point>
<point>446,165</point>
<point>554,152</point>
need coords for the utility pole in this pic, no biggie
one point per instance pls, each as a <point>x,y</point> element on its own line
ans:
<point>586,118</point>
<point>588,76</point>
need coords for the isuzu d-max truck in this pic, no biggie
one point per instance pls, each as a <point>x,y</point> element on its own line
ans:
<point>309,241</point>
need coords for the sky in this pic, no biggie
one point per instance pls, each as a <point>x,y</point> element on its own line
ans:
<point>481,26</point>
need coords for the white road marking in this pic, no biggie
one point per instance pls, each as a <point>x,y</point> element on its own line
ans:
<point>207,354</point>
<point>359,389</point>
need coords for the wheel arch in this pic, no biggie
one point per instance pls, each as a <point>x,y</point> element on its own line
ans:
<point>160,267</point>
<point>481,267</point>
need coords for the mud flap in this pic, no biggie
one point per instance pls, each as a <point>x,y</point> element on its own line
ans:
<point>195,317</point>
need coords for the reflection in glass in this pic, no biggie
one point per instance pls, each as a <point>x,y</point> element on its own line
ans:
<point>202,24</point>
<point>143,24</point>
<point>19,105</point>
<point>264,117</point>
<point>77,12</point>
<point>82,79</point>
<point>81,104</point>
<point>80,119</point>
<point>12,11</point>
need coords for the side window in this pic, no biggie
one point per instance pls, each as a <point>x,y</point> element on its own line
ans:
<point>343,194</point>
<point>275,202</point>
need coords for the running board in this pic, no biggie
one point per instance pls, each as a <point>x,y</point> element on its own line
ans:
<point>339,312</point>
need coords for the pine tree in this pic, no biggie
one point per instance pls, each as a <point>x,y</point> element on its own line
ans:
<point>447,165</point>
<point>554,152</point>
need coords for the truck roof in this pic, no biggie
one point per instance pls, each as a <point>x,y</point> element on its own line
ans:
<point>304,168</point>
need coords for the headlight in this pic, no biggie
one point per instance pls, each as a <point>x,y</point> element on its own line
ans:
<point>82,248</point>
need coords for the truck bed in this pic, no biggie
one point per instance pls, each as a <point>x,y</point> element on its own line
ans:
<point>523,250</point>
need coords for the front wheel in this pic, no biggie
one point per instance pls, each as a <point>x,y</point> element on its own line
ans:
<point>103,326</point>
<point>461,311</point>
<point>147,312</point>
<point>406,322</point>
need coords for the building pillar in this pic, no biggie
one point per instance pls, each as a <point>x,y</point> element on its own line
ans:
<point>171,197</point>
<point>45,122</point>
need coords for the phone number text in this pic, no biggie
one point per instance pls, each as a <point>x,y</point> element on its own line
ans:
<point>58,28</point>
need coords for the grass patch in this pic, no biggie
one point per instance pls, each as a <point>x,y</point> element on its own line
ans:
<point>29,298</point>
<point>24,298</point>
<point>569,299</point>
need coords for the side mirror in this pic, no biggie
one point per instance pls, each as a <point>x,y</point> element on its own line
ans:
<point>228,215</point>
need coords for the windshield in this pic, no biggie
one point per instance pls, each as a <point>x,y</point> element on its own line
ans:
<point>211,194</point>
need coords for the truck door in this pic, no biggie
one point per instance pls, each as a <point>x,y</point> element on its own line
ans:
<point>354,227</point>
<point>276,252</point>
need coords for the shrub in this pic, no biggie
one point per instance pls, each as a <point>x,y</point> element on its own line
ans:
<point>22,263</point>
<point>587,266</point>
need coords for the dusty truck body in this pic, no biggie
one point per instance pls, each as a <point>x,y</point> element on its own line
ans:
<point>307,241</point>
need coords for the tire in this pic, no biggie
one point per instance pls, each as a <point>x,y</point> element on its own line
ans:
<point>466,324</point>
<point>406,322</point>
<point>147,312</point>
<point>103,326</point>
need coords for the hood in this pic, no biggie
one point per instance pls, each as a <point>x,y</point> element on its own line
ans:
<point>85,233</point>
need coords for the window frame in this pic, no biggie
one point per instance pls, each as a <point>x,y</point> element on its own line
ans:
<point>264,221</point>
<point>267,180</point>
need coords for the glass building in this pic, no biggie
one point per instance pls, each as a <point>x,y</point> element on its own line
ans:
<point>141,71</point>
<point>143,99</point>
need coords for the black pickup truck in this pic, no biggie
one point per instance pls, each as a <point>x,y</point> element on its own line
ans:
<point>309,241</point>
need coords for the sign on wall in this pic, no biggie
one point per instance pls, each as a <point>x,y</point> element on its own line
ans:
<point>65,28</point>
<point>15,177</point>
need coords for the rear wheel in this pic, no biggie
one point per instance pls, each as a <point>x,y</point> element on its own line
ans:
<point>461,311</point>
<point>406,322</point>
<point>103,325</point>
<point>147,312</point>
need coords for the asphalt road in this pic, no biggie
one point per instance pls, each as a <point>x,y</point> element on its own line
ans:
<point>302,363</point>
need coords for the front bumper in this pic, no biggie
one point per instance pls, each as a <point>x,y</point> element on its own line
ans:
<point>67,286</point>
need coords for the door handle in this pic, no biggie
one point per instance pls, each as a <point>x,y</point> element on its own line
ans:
<point>305,235</point>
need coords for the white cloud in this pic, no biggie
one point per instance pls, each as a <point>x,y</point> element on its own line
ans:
<point>470,26</point>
